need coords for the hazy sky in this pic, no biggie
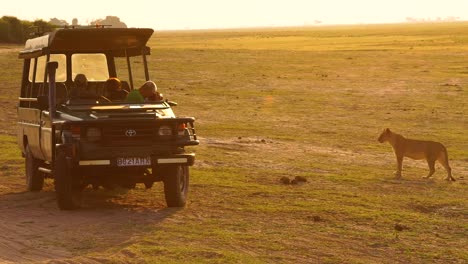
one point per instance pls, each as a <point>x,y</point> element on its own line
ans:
<point>195,14</point>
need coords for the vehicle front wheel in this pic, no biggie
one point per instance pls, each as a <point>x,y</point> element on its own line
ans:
<point>67,189</point>
<point>34,178</point>
<point>176,184</point>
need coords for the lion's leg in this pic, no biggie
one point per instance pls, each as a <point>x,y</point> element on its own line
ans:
<point>399,166</point>
<point>443,160</point>
<point>431,164</point>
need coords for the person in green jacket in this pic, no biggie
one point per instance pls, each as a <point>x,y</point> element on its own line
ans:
<point>147,92</point>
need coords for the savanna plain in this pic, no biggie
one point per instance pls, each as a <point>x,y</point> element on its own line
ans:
<point>274,103</point>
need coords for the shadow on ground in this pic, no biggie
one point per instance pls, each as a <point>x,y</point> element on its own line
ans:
<point>34,229</point>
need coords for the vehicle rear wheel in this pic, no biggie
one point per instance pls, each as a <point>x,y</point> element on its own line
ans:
<point>67,189</point>
<point>176,183</point>
<point>34,178</point>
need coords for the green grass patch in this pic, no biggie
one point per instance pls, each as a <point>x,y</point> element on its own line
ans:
<point>289,102</point>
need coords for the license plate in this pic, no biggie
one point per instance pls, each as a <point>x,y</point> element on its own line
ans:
<point>134,161</point>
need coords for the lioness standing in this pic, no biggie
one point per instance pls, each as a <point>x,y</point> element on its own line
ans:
<point>418,150</point>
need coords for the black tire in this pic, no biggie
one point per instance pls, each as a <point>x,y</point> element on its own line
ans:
<point>34,178</point>
<point>176,185</point>
<point>67,189</point>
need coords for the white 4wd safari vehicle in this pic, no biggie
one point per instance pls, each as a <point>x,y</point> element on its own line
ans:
<point>96,141</point>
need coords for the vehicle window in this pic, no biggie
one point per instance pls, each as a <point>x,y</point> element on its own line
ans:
<point>61,74</point>
<point>138,72</point>
<point>94,66</point>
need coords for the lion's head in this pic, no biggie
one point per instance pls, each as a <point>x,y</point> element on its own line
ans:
<point>385,135</point>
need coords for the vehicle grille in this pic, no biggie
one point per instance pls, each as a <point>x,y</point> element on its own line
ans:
<point>130,134</point>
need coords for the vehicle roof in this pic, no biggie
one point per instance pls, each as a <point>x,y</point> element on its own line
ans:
<point>116,41</point>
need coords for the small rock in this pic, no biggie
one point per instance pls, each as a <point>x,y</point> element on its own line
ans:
<point>400,227</point>
<point>285,180</point>
<point>300,179</point>
<point>316,218</point>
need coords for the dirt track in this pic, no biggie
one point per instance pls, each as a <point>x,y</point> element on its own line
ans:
<point>24,218</point>
<point>34,230</point>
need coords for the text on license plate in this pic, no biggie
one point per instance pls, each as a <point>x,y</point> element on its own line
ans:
<point>134,161</point>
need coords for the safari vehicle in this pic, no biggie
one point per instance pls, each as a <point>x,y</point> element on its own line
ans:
<point>95,141</point>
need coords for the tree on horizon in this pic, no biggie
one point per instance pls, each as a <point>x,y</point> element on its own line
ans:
<point>112,21</point>
<point>14,30</point>
<point>58,22</point>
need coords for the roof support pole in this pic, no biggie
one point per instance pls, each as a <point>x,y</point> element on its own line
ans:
<point>145,63</point>
<point>42,90</point>
<point>130,77</point>
<point>30,92</point>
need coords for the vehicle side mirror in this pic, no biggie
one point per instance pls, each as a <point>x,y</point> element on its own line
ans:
<point>43,102</point>
<point>171,103</point>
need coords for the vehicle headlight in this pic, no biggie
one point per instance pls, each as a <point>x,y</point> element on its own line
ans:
<point>165,131</point>
<point>93,134</point>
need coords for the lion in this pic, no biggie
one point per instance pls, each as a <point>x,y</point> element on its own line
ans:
<point>417,149</point>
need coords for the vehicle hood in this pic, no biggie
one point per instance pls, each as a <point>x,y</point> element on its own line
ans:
<point>127,111</point>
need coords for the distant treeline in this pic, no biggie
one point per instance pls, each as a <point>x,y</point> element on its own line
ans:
<point>14,30</point>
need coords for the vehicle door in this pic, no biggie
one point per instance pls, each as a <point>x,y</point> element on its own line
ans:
<point>29,115</point>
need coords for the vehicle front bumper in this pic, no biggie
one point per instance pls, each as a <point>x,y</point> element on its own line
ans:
<point>180,159</point>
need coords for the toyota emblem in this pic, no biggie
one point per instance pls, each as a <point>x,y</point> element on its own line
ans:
<point>130,133</point>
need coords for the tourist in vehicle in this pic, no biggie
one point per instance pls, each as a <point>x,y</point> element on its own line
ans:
<point>81,89</point>
<point>114,90</point>
<point>146,93</point>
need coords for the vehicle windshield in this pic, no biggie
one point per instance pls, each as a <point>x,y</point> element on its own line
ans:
<point>92,85</point>
<point>93,66</point>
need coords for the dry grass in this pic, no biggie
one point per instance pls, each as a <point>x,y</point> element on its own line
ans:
<point>273,103</point>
